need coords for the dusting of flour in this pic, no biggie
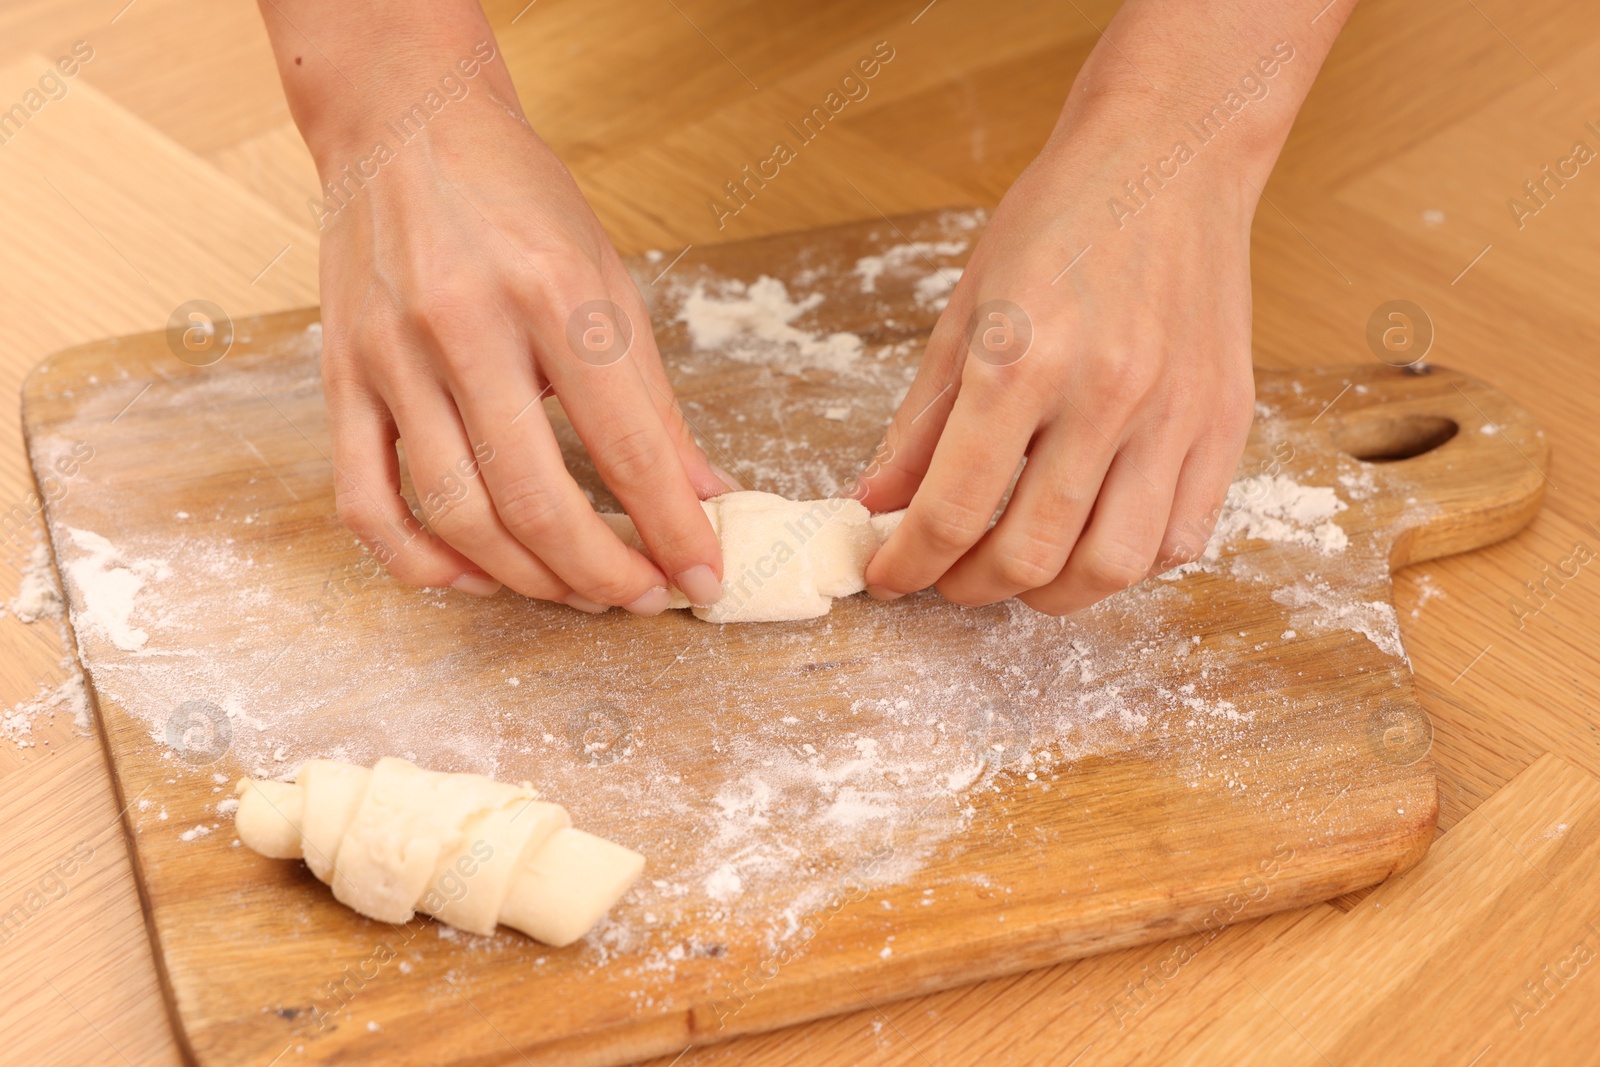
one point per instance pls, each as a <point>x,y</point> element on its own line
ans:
<point>1271,507</point>
<point>108,586</point>
<point>758,769</point>
<point>755,322</point>
<point>37,596</point>
<point>907,254</point>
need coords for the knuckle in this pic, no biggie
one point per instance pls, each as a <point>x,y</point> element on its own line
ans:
<point>1029,565</point>
<point>458,522</point>
<point>1120,383</point>
<point>440,302</point>
<point>633,456</point>
<point>951,525</point>
<point>1226,407</point>
<point>1236,410</point>
<point>1063,507</point>
<point>359,513</point>
<point>341,374</point>
<point>447,314</point>
<point>348,376</point>
<point>531,507</point>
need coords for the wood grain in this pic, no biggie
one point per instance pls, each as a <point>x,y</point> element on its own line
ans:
<point>1418,101</point>
<point>1502,905</point>
<point>1182,833</point>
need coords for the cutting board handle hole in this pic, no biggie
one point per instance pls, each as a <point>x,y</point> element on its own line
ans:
<point>1389,439</point>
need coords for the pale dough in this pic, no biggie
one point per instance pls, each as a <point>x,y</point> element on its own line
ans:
<point>468,850</point>
<point>783,559</point>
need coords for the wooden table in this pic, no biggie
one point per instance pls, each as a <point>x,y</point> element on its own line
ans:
<point>130,196</point>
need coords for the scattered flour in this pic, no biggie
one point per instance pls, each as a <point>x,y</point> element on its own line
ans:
<point>870,268</point>
<point>1358,485</point>
<point>1315,604</point>
<point>37,595</point>
<point>108,590</point>
<point>1270,507</point>
<point>724,883</point>
<point>834,763</point>
<point>755,323</point>
<point>1426,591</point>
<point>933,290</point>
<point>16,725</point>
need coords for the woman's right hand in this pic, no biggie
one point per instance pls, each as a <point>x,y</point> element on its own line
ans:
<point>464,278</point>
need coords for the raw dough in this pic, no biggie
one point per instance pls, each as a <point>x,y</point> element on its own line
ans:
<point>783,559</point>
<point>463,848</point>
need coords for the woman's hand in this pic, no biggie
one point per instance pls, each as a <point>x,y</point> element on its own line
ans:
<point>1102,327</point>
<point>464,279</point>
<point>1113,353</point>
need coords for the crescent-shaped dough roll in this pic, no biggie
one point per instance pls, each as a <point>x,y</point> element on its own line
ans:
<point>782,559</point>
<point>464,848</point>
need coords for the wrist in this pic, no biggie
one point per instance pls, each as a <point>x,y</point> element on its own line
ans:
<point>1233,119</point>
<point>409,96</point>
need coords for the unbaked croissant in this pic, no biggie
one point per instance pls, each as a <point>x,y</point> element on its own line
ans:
<point>782,560</point>
<point>468,850</point>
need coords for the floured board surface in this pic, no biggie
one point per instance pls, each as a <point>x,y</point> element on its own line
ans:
<point>889,800</point>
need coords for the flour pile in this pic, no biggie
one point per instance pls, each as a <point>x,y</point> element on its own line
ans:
<point>108,586</point>
<point>755,323</point>
<point>1270,507</point>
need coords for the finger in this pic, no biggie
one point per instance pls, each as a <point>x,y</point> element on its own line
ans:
<point>709,476</point>
<point>901,461</point>
<point>447,472</point>
<point>1047,511</point>
<point>973,463</point>
<point>542,507</point>
<point>1197,504</point>
<point>615,416</point>
<point>1119,545</point>
<point>367,496</point>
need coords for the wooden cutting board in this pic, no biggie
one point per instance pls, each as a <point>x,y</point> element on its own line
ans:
<point>890,800</point>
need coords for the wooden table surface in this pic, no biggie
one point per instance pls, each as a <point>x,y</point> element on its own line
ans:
<point>170,171</point>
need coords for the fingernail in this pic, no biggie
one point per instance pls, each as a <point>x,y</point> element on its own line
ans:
<point>476,584</point>
<point>878,592</point>
<point>653,602</point>
<point>585,604</point>
<point>699,584</point>
<point>727,479</point>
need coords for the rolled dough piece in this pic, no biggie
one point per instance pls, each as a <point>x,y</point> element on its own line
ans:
<point>462,847</point>
<point>408,818</point>
<point>564,887</point>
<point>270,817</point>
<point>479,872</point>
<point>783,560</point>
<point>333,791</point>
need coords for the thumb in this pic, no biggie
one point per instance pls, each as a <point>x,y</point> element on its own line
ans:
<point>901,459</point>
